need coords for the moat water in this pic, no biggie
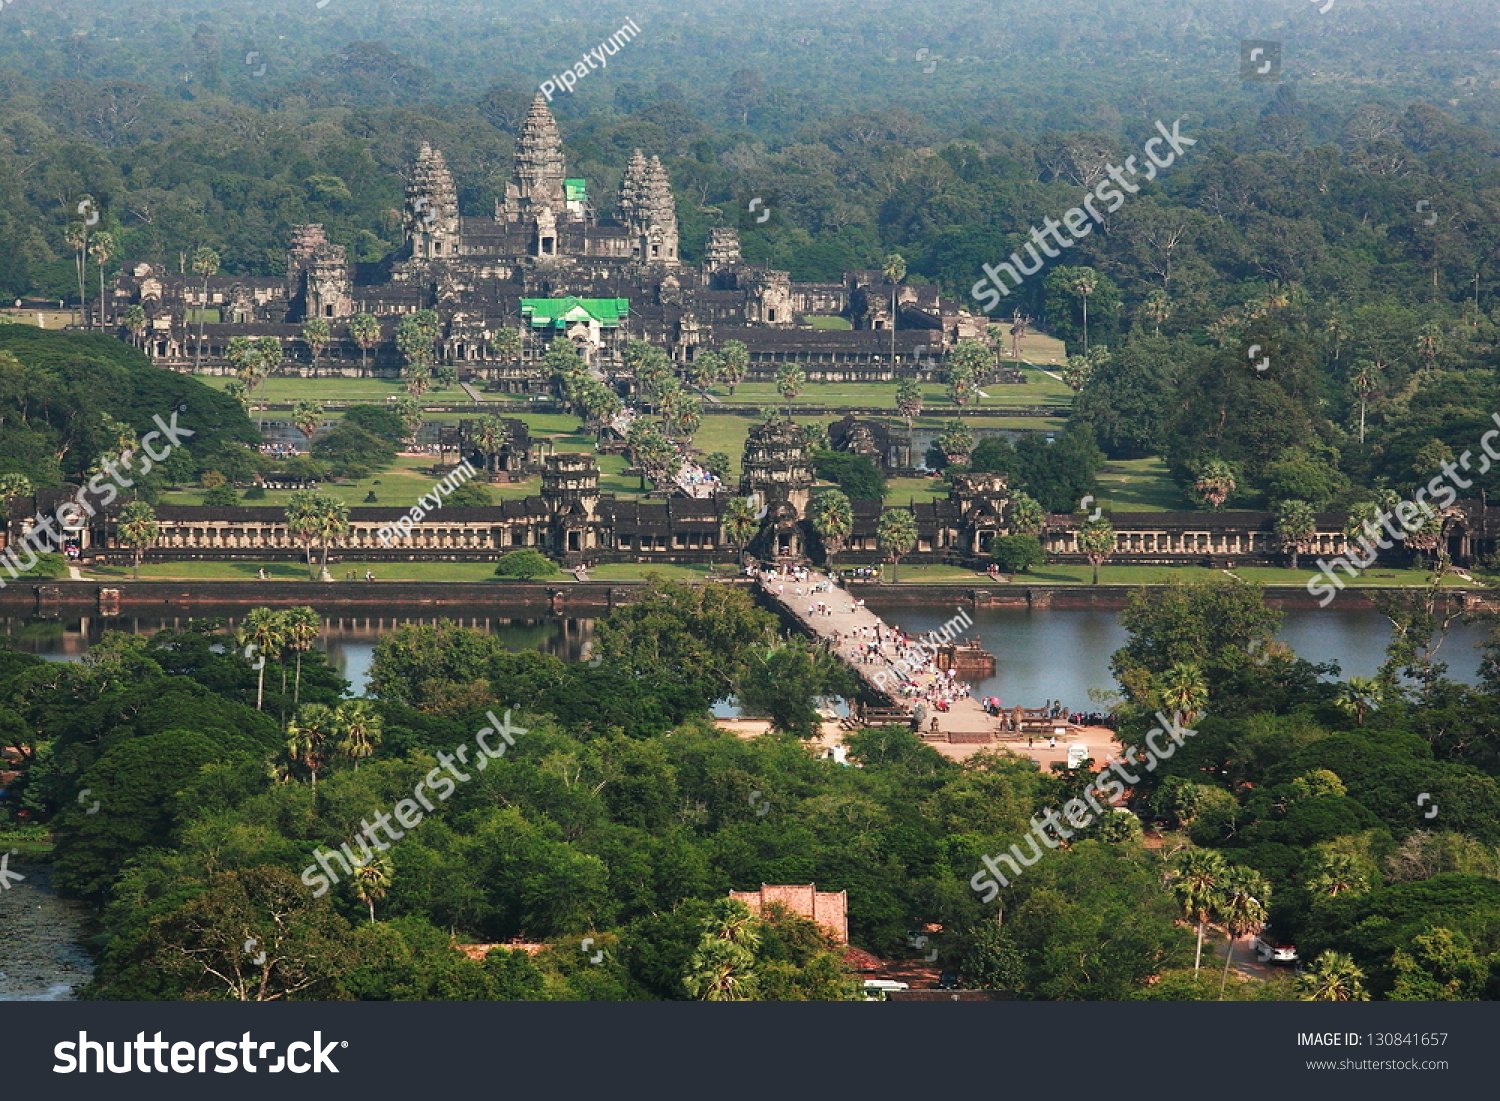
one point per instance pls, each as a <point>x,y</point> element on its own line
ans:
<point>1041,654</point>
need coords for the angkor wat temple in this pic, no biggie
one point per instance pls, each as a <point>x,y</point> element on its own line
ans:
<point>546,265</point>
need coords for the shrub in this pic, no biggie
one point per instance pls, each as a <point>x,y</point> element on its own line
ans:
<point>221,496</point>
<point>525,564</point>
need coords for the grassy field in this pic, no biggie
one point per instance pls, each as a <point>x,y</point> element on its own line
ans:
<point>1038,389</point>
<point>1140,485</point>
<point>292,388</point>
<point>296,571</point>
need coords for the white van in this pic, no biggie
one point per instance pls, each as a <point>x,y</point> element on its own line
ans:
<point>877,989</point>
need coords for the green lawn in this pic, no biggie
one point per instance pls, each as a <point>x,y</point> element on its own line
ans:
<point>296,571</point>
<point>841,323</point>
<point>1038,389</point>
<point>912,574</point>
<point>635,571</point>
<point>900,491</point>
<point>1270,575</point>
<point>1140,485</point>
<point>293,388</point>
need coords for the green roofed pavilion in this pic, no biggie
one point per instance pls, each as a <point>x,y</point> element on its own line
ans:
<point>558,313</point>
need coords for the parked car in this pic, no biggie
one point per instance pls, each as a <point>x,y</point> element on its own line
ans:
<point>1270,948</point>
<point>877,989</point>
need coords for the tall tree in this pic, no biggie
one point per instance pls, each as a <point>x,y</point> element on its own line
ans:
<point>134,320</point>
<point>100,250</point>
<point>896,534</point>
<point>317,519</point>
<point>364,329</point>
<point>734,362</point>
<point>308,418</point>
<point>206,264</point>
<point>741,524</point>
<point>138,530</point>
<point>302,626</point>
<point>894,268</point>
<point>833,520</point>
<point>1244,902</point>
<point>372,880</point>
<point>790,381</point>
<point>265,629</point>
<point>360,729</point>
<point>1295,526</point>
<point>1195,882</point>
<point>312,738</point>
<point>1096,539</point>
<point>315,334</point>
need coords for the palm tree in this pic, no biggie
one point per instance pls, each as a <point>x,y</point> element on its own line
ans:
<point>310,738</point>
<point>1195,885</point>
<point>1184,690</point>
<point>833,520</point>
<point>1214,483</point>
<point>1337,874</point>
<point>719,971</point>
<point>308,417</point>
<point>956,441</point>
<point>895,271</point>
<point>1365,379</point>
<point>1025,515</point>
<point>909,405</point>
<point>138,530</point>
<point>1082,281</point>
<point>318,518</point>
<point>77,236</point>
<point>415,337</point>
<point>1096,539</point>
<point>734,362</point>
<point>490,435</point>
<point>364,328</point>
<point>371,880</point>
<point>1296,524</point>
<point>302,626</point>
<point>316,334</point>
<point>1243,904</point>
<point>135,324</point>
<point>740,524</point>
<point>790,379</point>
<point>1333,977</point>
<point>359,729</point>
<point>705,369</point>
<point>721,968</point>
<point>100,251</point>
<point>266,630</point>
<point>1358,696</point>
<point>1157,307</point>
<point>896,534</point>
<point>206,264</point>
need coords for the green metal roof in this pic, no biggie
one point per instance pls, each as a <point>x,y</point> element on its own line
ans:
<point>558,312</point>
<point>576,191</point>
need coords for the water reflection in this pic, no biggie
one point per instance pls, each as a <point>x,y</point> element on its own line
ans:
<point>348,639</point>
<point>1041,654</point>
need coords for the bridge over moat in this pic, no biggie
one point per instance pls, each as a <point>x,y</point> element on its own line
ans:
<point>872,649</point>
